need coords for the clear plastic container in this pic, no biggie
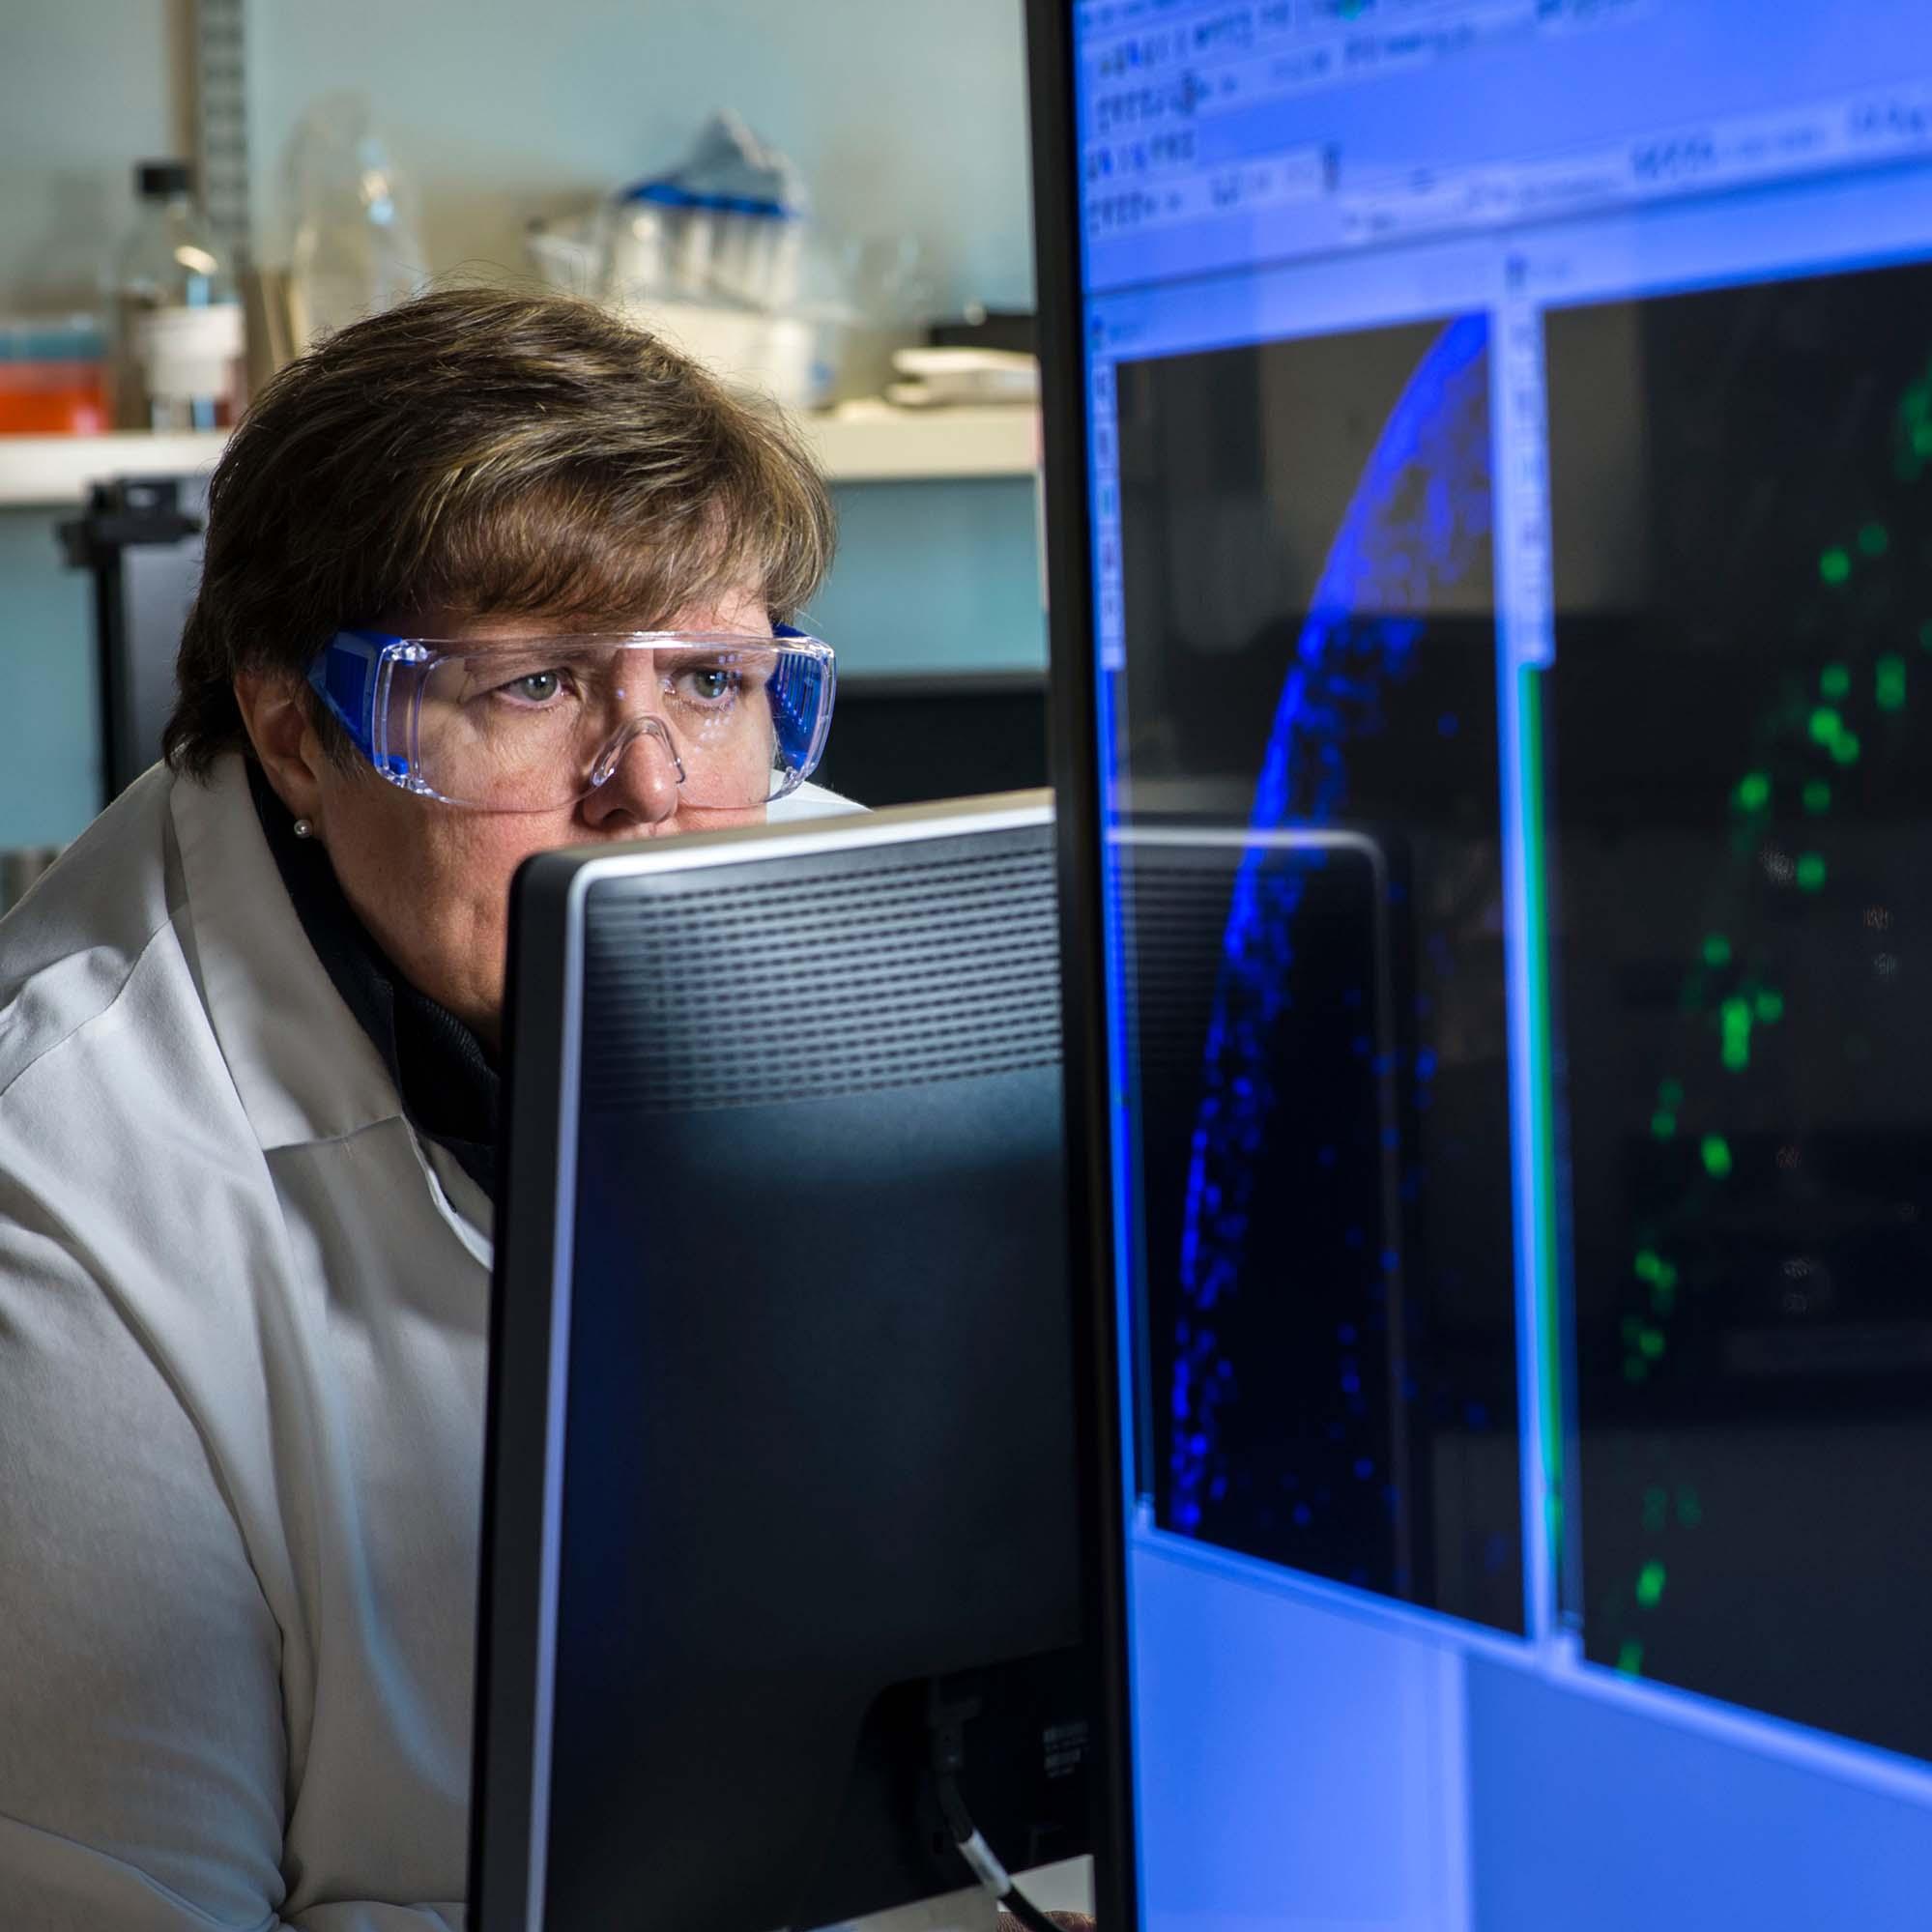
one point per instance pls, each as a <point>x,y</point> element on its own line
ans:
<point>53,376</point>
<point>355,251</point>
<point>179,340</point>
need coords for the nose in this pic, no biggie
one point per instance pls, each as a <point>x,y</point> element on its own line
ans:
<point>637,779</point>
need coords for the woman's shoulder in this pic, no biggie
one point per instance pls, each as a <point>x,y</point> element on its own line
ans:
<point>70,949</point>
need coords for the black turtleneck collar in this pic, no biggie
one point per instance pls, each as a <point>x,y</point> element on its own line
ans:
<point>450,1093</point>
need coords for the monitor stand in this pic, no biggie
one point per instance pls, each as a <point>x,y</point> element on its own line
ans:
<point>969,1911</point>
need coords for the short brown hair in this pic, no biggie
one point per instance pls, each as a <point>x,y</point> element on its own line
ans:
<point>485,451</point>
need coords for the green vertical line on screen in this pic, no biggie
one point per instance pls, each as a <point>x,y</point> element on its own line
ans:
<point>1542,1133</point>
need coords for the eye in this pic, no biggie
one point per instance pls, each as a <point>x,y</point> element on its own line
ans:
<point>709,683</point>
<point>534,687</point>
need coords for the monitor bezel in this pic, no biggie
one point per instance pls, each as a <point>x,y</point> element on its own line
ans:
<point>1074,765</point>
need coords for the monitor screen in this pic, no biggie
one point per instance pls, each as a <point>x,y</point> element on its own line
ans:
<point>1509,445</point>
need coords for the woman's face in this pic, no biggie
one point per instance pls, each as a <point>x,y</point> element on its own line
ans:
<point>431,882</point>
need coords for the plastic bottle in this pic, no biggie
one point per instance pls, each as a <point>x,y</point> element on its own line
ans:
<point>179,334</point>
<point>355,251</point>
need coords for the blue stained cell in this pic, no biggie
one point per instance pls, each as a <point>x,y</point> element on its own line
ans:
<point>1446,725</point>
<point>1410,1388</point>
<point>1359,1045</point>
<point>1425,1065</point>
<point>1391,1261</point>
<point>1351,1385</point>
<point>1363,1469</point>
<point>1391,1140</point>
<point>1418,526</point>
<point>1303,1515</point>
<point>1217,1490</point>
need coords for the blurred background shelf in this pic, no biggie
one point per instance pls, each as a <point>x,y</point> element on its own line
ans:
<point>52,471</point>
<point>863,443</point>
<point>873,443</point>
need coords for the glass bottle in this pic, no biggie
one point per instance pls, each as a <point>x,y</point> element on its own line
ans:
<point>179,334</point>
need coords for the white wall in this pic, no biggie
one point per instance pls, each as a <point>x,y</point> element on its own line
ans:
<point>87,87</point>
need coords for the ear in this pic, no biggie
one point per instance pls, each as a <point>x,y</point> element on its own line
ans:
<point>275,712</point>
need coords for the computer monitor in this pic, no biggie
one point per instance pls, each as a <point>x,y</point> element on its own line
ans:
<point>1489,450</point>
<point>780,1449</point>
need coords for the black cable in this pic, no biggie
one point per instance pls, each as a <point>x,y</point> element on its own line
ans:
<point>948,1756</point>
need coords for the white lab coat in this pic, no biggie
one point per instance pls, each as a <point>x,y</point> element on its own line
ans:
<point>243,1318</point>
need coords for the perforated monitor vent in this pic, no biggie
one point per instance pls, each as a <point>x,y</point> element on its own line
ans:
<point>746,984</point>
<point>1173,912</point>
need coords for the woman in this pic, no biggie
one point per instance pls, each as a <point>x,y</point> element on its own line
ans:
<point>248,1087</point>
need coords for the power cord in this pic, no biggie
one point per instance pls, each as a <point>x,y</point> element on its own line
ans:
<point>948,1760</point>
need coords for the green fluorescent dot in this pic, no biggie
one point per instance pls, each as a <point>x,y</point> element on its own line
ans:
<point>1834,566</point>
<point>1663,1125</point>
<point>1770,1007</point>
<point>1826,725</point>
<point>1717,1153</point>
<point>1651,1342</point>
<point>1690,1511</point>
<point>1835,680</point>
<point>1736,1055</point>
<point>1647,1264</point>
<point>1846,750</point>
<point>1890,685</point>
<point>1670,1092</point>
<point>1630,1659</point>
<point>1666,1278</point>
<point>1874,540</point>
<point>1716,950</point>
<point>1754,791</point>
<point>1736,1014</point>
<point>1926,634</point>
<point>1650,1585</point>
<point>1817,798</point>
<point>1810,871</point>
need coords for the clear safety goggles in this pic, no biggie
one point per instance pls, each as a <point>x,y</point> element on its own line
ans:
<point>529,725</point>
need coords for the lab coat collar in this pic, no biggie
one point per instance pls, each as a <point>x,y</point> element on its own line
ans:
<point>304,1069</point>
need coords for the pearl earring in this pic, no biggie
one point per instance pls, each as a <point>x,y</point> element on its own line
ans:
<point>304,828</point>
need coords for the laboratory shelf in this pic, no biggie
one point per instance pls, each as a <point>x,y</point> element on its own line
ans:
<point>860,443</point>
<point>875,443</point>
<point>51,472</point>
